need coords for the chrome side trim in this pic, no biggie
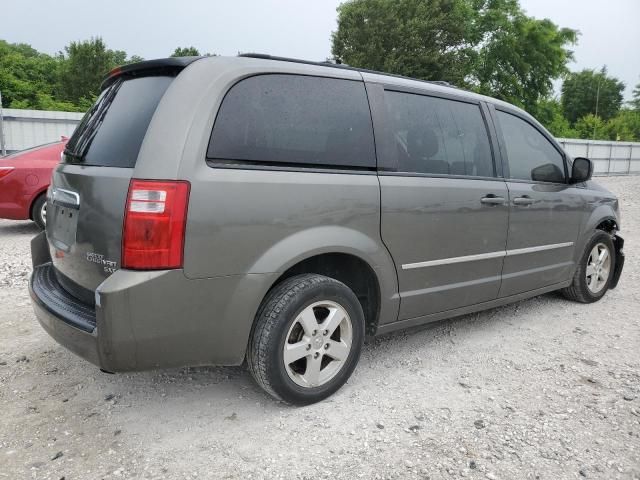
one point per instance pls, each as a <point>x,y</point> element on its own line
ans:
<point>449,286</point>
<point>448,261</point>
<point>541,248</point>
<point>485,256</point>
<point>536,270</point>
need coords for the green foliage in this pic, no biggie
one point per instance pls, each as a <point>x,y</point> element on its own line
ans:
<point>489,45</point>
<point>519,56</point>
<point>625,126</point>
<point>186,52</point>
<point>28,78</point>
<point>427,39</point>
<point>83,68</point>
<point>581,91</point>
<point>635,99</point>
<point>590,127</point>
<point>550,114</point>
<point>68,81</point>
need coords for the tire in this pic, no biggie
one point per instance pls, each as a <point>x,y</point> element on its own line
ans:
<point>584,288</point>
<point>287,320</point>
<point>38,211</point>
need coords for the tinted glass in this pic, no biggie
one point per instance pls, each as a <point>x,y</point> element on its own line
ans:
<point>434,135</point>
<point>111,133</point>
<point>292,119</point>
<point>530,155</point>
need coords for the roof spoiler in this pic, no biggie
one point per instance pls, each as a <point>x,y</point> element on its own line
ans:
<point>148,67</point>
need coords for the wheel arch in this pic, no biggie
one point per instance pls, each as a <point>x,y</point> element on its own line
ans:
<point>603,217</point>
<point>349,269</point>
<point>608,224</point>
<point>347,255</point>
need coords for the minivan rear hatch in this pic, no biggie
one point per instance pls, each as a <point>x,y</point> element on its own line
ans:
<point>89,187</point>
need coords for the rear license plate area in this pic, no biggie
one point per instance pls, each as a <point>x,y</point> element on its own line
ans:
<point>64,224</point>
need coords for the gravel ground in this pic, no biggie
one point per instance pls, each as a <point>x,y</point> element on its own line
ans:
<point>542,389</point>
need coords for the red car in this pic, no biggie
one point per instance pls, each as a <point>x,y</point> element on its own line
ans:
<point>24,179</point>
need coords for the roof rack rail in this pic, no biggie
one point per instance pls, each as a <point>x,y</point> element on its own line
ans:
<point>343,66</point>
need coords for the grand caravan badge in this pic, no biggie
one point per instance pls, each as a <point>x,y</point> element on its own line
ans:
<point>109,266</point>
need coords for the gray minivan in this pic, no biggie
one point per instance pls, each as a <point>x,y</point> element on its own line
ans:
<point>212,210</point>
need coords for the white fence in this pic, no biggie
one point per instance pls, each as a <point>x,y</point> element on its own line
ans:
<point>609,158</point>
<point>22,129</point>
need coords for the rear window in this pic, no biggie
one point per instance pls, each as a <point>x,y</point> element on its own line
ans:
<point>294,120</point>
<point>111,133</point>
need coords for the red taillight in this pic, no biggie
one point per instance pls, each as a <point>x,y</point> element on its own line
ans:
<point>4,171</point>
<point>154,224</point>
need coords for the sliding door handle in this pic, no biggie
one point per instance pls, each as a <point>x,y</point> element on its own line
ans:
<point>523,201</point>
<point>492,200</point>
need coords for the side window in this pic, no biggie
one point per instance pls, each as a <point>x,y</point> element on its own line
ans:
<point>294,120</point>
<point>439,136</point>
<point>530,155</point>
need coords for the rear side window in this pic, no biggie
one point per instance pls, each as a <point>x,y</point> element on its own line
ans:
<point>439,136</point>
<point>111,133</point>
<point>294,120</point>
<point>530,155</point>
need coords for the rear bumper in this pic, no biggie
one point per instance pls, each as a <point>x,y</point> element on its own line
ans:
<point>146,320</point>
<point>64,328</point>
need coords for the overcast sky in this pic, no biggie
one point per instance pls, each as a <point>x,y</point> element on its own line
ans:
<point>295,28</point>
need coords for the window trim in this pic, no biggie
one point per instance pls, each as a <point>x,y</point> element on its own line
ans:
<point>227,164</point>
<point>388,163</point>
<point>268,165</point>
<point>494,109</point>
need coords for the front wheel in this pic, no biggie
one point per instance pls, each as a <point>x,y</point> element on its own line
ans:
<point>307,339</point>
<point>593,275</point>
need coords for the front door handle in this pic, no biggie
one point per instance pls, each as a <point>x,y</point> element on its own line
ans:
<point>492,199</point>
<point>523,201</point>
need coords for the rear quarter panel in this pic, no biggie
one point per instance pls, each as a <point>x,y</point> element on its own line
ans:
<point>250,221</point>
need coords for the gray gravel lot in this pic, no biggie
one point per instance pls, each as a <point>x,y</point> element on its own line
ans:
<point>542,389</point>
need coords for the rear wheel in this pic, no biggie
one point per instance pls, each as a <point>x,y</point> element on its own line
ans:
<point>307,339</point>
<point>593,274</point>
<point>39,211</point>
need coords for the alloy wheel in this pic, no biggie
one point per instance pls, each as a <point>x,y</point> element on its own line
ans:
<point>318,344</point>
<point>598,268</point>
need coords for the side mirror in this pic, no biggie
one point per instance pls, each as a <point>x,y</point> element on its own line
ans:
<point>582,170</point>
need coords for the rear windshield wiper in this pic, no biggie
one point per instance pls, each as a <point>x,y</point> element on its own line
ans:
<point>88,129</point>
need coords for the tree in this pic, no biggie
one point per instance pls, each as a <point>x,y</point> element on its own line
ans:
<point>426,39</point>
<point>489,45</point>
<point>186,52</point>
<point>519,56</point>
<point>624,127</point>
<point>635,99</point>
<point>592,92</point>
<point>28,78</point>
<point>590,127</point>
<point>83,68</point>
<point>549,113</point>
